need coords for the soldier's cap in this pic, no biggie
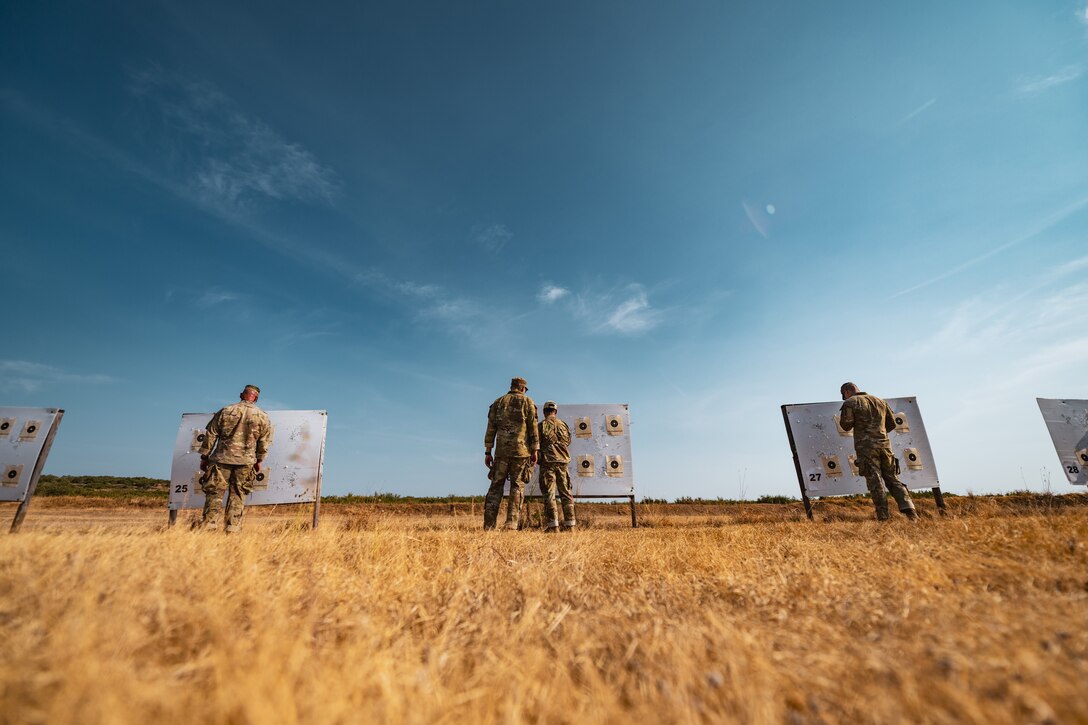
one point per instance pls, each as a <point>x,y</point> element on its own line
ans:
<point>848,384</point>
<point>254,388</point>
<point>551,405</point>
<point>515,382</point>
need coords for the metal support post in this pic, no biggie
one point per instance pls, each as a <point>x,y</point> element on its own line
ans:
<point>938,497</point>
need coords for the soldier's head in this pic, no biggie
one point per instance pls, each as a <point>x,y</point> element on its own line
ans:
<point>550,409</point>
<point>848,390</point>
<point>250,393</point>
<point>518,385</point>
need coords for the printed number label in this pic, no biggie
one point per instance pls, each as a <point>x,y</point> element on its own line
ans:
<point>1072,469</point>
<point>181,488</point>
<point>814,476</point>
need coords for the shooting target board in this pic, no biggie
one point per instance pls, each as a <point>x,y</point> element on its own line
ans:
<point>1067,421</point>
<point>290,474</point>
<point>26,435</point>
<point>825,453</point>
<point>600,450</point>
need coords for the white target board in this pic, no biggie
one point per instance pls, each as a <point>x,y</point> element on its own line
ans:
<point>290,474</point>
<point>825,453</point>
<point>1067,421</point>
<point>600,450</point>
<point>25,435</point>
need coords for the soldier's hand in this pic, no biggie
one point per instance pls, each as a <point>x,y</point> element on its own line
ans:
<point>488,460</point>
<point>203,464</point>
<point>257,466</point>
<point>533,458</point>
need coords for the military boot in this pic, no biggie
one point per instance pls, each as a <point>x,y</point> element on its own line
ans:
<point>911,514</point>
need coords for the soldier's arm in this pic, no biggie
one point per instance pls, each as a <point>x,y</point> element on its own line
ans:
<point>563,433</point>
<point>264,442</point>
<point>846,416</point>
<point>889,419</point>
<point>211,436</point>
<point>533,439</point>
<point>492,429</point>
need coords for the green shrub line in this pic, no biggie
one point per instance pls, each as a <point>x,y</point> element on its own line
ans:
<point>139,487</point>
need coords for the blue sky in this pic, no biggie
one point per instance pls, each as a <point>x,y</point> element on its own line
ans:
<point>702,209</point>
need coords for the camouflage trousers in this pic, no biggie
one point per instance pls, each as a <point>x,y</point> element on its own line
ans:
<point>505,468</point>
<point>237,481</point>
<point>555,478</point>
<point>875,464</point>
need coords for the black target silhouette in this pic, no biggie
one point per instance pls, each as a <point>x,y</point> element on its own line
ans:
<point>200,438</point>
<point>13,474</point>
<point>5,425</point>
<point>912,456</point>
<point>585,464</point>
<point>899,421</point>
<point>614,423</point>
<point>260,476</point>
<point>831,464</point>
<point>582,425</point>
<point>31,428</point>
<point>1084,457</point>
<point>615,464</point>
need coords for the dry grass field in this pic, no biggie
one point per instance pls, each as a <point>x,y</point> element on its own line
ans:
<point>746,614</point>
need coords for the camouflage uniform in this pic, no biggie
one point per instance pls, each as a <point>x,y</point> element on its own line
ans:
<point>554,476</point>
<point>238,436</point>
<point>511,429</point>
<point>871,419</point>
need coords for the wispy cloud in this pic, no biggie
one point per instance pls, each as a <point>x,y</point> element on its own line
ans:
<point>492,237</point>
<point>429,303</point>
<point>921,109</point>
<point>550,293</point>
<point>1082,15</point>
<point>1044,224</point>
<point>757,217</point>
<point>213,297</point>
<point>28,377</point>
<point>624,311</point>
<point>1042,83</point>
<point>225,156</point>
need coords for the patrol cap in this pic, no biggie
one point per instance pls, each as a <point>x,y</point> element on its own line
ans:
<point>852,386</point>
<point>254,388</point>
<point>515,382</point>
<point>551,404</point>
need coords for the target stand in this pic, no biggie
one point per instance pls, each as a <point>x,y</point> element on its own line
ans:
<point>26,436</point>
<point>823,453</point>
<point>600,454</point>
<point>290,474</point>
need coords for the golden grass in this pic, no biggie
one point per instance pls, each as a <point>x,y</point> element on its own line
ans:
<point>384,618</point>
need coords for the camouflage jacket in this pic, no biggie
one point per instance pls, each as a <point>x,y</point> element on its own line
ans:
<point>869,417</point>
<point>554,440</point>
<point>511,426</point>
<point>238,434</point>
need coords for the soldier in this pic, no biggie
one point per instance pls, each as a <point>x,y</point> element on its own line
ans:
<point>871,420</point>
<point>511,429</point>
<point>237,441</point>
<point>554,459</point>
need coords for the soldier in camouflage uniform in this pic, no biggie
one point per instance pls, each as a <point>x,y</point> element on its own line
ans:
<point>236,443</point>
<point>554,476</point>
<point>511,430</point>
<point>871,420</point>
